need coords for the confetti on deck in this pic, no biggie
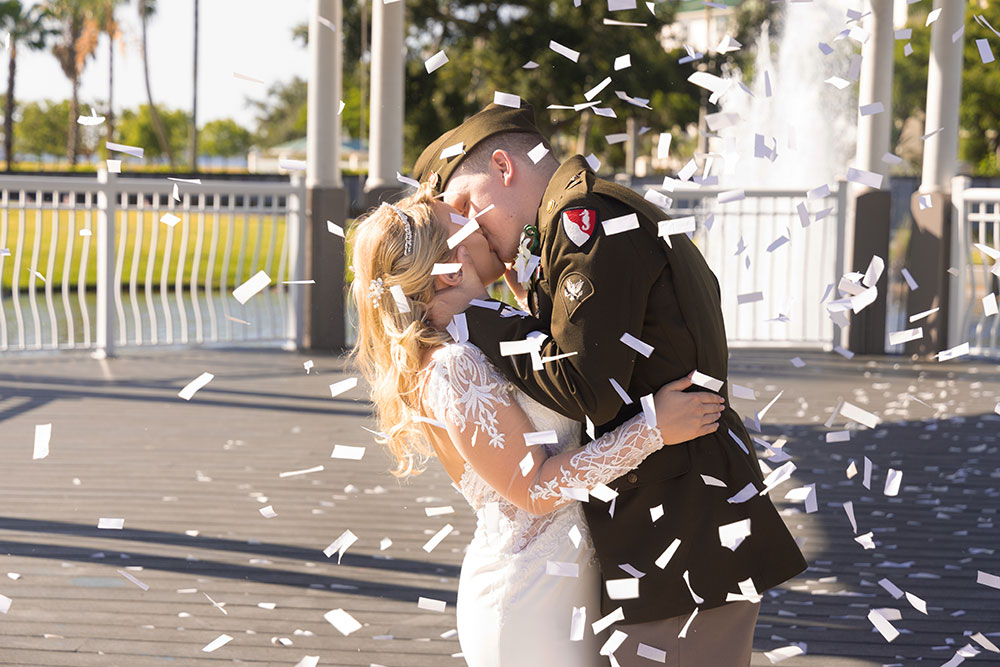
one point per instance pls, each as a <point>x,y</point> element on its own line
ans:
<point>340,545</point>
<point>431,604</point>
<point>43,433</point>
<point>347,452</point>
<point>133,580</point>
<point>438,537</point>
<point>344,622</point>
<point>987,579</point>
<point>217,643</point>
<point>294,473</point>
<point>267,512</point>
<point>111,524</point>
<point>194,385</point>
<point>5,603</point>
<point>882,625</point>
<point>338,388</point>
<point>783,653</point>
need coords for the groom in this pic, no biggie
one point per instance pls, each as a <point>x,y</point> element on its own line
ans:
<point>621,313</point>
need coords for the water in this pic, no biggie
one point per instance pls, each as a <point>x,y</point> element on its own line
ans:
<point>169,319</point>
<point>813,123</point>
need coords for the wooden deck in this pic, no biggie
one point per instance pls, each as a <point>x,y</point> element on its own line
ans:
<point>189,479</point>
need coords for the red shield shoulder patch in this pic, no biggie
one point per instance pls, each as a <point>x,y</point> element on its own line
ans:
<point>579,224</point>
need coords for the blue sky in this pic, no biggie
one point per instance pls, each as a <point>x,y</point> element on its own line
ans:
<point>252,37</point>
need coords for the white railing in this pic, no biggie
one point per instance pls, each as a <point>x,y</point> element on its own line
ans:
<point>794,278</point>
<point>975,219</point>
<point>124,277</point>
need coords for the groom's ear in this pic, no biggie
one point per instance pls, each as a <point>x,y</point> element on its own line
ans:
<point>503,164</point>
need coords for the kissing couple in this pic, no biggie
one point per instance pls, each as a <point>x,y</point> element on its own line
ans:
<point>620,518</point>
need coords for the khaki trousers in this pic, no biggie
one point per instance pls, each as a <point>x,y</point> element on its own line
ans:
<point>719,637</point>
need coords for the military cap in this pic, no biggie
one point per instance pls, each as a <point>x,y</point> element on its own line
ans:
<point>456,143</point>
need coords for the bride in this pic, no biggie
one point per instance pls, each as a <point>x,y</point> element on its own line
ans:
<point>529,586</point>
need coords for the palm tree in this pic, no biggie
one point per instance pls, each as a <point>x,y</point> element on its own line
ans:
<point>193,144</point>
<point>31,28</point>
<point>146,9</point>
<point>78,42</point>
<point>108,24</point>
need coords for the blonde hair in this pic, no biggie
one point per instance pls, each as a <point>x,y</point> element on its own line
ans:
<point>390,343</point>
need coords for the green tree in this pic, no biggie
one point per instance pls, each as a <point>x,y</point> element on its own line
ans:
<point>224,137</point>
<point>27,26</point>
<point>281,116</point>
<point>138,128</point>
<point>41,129</point>
<point>979,115</point>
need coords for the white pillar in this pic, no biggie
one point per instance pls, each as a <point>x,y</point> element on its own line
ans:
<point>323,121</point>
<point>944,89</point>
<point>876,86</point>
<point>385,142</point>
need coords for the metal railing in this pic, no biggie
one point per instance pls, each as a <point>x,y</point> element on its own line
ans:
<point>741,240</point>
<point>96,264</point>
<point>975,220</point>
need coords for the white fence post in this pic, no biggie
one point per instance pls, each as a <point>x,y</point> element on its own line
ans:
<point>107,205</point>
<point>958,301</point>
<point>295,237</point>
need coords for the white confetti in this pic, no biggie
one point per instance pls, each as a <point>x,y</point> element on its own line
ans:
<point>430,604</point>
<point>217,643</point>
<point>255,284</point>
<point>347,452</point>
<point>111,524</point>
<point>436,61</point>
<point>438,537</point>
<point>344,622</point>
<point>338,388</point>
<point>43,433</point>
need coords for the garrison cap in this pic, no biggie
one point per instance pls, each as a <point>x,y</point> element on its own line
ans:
<point>456,143</point>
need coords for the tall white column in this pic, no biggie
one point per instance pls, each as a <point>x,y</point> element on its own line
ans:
<point>385,142</point>
<point>876,86</point>
<point>323,121</point>
<point>944,90</point>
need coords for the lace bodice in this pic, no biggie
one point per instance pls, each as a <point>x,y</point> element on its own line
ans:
<point>514,486</point>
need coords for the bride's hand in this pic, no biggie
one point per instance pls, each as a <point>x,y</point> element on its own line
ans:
<point>683,416</point>
<point>453,300</point>
<point>516,288</point>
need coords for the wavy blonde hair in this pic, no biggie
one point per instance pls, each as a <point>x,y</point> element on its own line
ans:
<point>391,343</point>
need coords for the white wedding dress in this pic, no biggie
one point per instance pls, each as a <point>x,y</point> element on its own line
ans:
<point>530,584</point>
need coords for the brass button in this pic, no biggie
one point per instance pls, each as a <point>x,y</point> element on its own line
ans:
<point>632,478</point>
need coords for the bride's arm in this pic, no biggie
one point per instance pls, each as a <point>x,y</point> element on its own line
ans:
<point>488,427</point>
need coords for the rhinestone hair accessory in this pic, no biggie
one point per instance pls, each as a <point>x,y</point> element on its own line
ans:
<point>375,291</point>
<point>407,227</point>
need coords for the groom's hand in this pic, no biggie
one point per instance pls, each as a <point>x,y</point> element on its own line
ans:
<point>451,301</point>
<point>683,416</point>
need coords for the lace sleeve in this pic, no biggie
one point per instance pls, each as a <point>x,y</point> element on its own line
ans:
<point>487,427</point>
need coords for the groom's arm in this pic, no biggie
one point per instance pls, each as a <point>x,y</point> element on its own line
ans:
<point>595,293</point>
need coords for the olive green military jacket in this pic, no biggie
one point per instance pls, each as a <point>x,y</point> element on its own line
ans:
<point>594,287</point>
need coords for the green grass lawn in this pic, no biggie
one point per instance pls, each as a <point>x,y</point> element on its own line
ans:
<point>252,236</point>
